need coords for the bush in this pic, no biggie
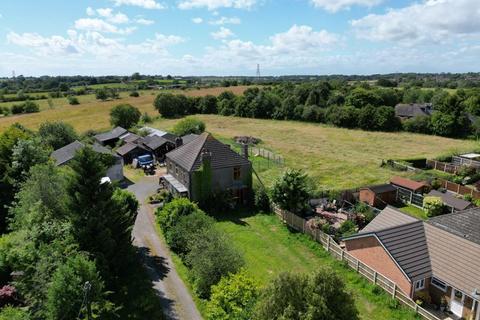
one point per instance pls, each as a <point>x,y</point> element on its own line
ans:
<point>146,118</point>
<point>134,94</point>
<point>211,257</point>
<point>347,228</point>
<point>188,226</point>
<point>57,134</point>
<point>72,100</point>
<point>234,297</point>
<point>124,115</point>
<point>262,200</point>
<point>11,313</point>
<point>433,206</point>
<point>170,214</point>
<point>31,107</point>
<point>189,125</point>
<point>170,105</point>
<point>291,191</point>
<point>322,295</point>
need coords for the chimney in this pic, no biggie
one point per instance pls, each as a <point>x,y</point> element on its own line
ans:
<point>178,142</point>
<point>206,157</point>
<point>245,150</point>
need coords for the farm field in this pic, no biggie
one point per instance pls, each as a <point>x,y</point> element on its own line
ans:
<point>269,248</point>
<point>335,158</point>
<point>92,114</point>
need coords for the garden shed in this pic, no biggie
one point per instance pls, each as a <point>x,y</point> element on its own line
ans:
<point>378,196</point>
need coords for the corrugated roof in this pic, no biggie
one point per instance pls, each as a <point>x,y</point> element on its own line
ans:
<point>128,147</point>
<point>68,152</point>
<point>450,200</point>
<point>388,218</point>
<point>407,183</point>
<point>188,156</point>
<point>113,134</point>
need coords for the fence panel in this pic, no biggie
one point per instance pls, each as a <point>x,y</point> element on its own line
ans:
<point>332,247</point>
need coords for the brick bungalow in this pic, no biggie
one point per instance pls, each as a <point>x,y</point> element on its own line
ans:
<point>440,256</point>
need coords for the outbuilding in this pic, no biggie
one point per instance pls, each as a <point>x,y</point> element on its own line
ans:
<point>378,196</point>
<point>410,185</point>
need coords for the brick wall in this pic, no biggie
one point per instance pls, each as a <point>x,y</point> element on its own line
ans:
<point>369,251</point>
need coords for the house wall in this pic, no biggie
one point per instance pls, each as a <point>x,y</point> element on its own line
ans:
<point>179,173</point>
<point>222,179</point>
<point>369,251</point>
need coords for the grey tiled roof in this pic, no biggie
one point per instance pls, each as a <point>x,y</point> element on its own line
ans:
<point>113,134</point>
<point>170,137</point>
<point>465,224</point>
<point>128,147</point>
<point>189,138</point>
<point>188,156</point>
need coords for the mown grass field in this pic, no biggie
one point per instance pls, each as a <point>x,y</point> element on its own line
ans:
<point>269,248</point>
<point>93,114</point>
<point>335,158</point>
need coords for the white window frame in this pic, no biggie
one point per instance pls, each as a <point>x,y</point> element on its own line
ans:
<point>419,285</point>
<point>439,285</point>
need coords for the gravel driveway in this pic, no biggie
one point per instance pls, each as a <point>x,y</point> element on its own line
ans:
<point>175,298</point>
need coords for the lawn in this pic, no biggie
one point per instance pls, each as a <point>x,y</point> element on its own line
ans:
<point>334,157</point>
<point>269,248</point>
<point>414,211</point>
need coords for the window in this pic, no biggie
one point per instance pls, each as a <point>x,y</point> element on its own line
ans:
<point>236,173</point>
<point>420,285</point>
<point>439,284</point>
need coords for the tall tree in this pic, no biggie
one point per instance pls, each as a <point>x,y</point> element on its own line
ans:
<point>124,115</point>
<point>57,134</point>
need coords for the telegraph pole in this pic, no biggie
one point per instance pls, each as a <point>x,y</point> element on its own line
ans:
<point>86,288</point>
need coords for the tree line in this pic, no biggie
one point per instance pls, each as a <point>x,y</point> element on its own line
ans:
<point>339,104</point>
<point>61,228</point>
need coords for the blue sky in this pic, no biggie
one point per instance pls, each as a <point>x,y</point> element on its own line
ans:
<point>229,37</point>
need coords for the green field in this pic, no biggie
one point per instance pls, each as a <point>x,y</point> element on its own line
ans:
<point>414,211</point>
<point>269,248</point>
<point>335,158</point>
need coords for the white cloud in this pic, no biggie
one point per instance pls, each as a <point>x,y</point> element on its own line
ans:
<point>90,11</point>
<point>43,45</point>
<point>225,20</point>
<point>99,25</point>
<point>216,4</point>
<point>303,38</point>
<point>337,5</point>
<point>117,18</point>
<point>145,22</point>
<point>146,4</point>
<point>197,20</point>
<point>425,22</point>
<point>223,33</point>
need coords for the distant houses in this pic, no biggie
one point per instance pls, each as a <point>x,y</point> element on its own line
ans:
<point>410,110</point>
<point>204,167</point>
<point>64,155</point>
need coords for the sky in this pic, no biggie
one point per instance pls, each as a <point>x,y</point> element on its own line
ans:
<point>230,37</point>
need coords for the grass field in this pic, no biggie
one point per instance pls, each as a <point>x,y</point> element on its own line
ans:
<point>94,114</point>
<point>414,211</point>
<point>269,248</point>
<point>334,157</point>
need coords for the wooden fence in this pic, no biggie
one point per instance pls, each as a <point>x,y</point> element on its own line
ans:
<point>458,188</point>
<point>338,253</point>
<point>442,166</point>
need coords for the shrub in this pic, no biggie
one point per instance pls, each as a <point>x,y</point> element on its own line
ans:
<point>433,206</point>
<point>30,107</point>
<point>17,108</point>
<point>185,230</point>
<point>262,200</point>
<point>291,191</point>
<point>146,118</point>
<point>347,228</point>
<point>124,115</point>
<point>11,313</point>
<point>72,100</point>
<point>189,125</point>
<point>321,295</point>
<point>211,257</point>
<point>170,105</point>
<point>170,214</point>
<point>57,134</point>
<point>134,94</point>
<point>233,297</point>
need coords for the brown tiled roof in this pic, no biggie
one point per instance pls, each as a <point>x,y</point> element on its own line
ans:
<point>407,183</point>
<point>188,156</point>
